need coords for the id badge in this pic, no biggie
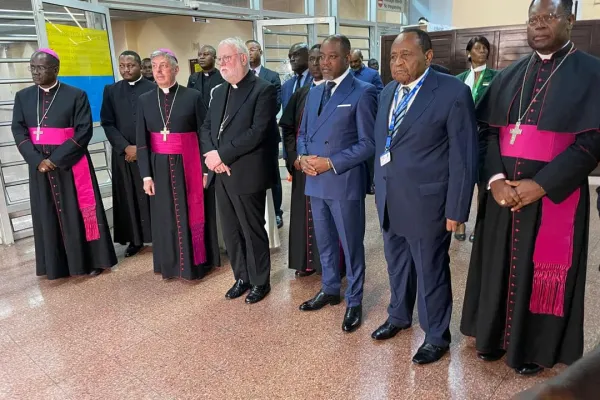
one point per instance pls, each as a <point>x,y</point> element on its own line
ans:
<point>385,158</point>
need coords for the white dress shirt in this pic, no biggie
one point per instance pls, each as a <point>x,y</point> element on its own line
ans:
<point>257,70</point>
<point>339,80</point>
<point>411,86</point>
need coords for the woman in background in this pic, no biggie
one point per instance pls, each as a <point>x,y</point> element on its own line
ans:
<point>478,78</point>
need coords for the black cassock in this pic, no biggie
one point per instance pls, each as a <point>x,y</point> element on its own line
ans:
<point>501,273</point>
<point>131,206</point>
<point>303,253</point>
<point>61,248</point>
<point>172,239</point>
<point>204,83</point>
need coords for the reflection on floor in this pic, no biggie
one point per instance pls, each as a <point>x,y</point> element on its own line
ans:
<point>129,335</point>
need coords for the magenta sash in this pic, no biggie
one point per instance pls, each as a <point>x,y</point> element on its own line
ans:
<point>187,145</point>
<point>553,253</point>
<point>81,176</point>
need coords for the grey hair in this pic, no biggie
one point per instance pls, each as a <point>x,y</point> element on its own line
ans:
<point>239,44</point>
<point>159,53</point>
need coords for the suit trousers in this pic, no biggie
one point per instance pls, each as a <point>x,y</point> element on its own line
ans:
<point>246,240</point>
<point>335,222</point>
<point>420,266</point>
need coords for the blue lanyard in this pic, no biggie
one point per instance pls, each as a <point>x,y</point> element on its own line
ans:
<point>404,103</point>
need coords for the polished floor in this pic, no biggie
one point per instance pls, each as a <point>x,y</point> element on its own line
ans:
<point>127,334</point>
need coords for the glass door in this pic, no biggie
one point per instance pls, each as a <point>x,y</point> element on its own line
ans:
<point>80,33</point>
<point>276,36</point>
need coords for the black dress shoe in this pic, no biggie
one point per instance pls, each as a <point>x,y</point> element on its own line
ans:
<point>492,355</point>
<point>132,250</point>
<point>352,319</point>
<point>371,190</point>
<point>279,221</point>
<point>302,274</point>
<point>461,237</point>
<point>257,293</point>
<point>529,369</point>
<point>386,331</point>
<point>472,238</point>
<point>96,271</point>
<point>320,301</point>
<point>238,289</point>
<point>429,353</point>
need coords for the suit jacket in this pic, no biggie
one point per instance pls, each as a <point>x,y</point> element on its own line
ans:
<point>488,76</point>
<point>287,90</point>
<point>370,76</point>
<point>433,164</point>
<point>248,140</point>
<point>343,132</point>
<point>273,78</point>
<point>440,68</point>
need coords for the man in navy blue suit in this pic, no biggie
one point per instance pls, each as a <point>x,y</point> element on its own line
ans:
<point>298,56</point>
<point>335,140</point>
<point>426,160</point>
<point>363,73</point>
<point>255,51</point>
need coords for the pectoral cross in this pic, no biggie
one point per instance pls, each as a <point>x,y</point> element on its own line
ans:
<point>165,132</point>
<point>514,132</point>
<point>38,132</point>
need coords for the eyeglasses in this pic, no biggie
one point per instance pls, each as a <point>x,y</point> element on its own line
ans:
<point>226,59</point>
<point>38,68</point>
<point>546,19</point>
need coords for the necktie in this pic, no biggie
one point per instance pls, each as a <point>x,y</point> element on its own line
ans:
<point>255,73</point>
<point>326,94</point>
<point>402,112</point>
<point>298,83</point>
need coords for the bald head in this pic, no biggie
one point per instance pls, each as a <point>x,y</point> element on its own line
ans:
<point>356,59</point>
<point>298,56</point>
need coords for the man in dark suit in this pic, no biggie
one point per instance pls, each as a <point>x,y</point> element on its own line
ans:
<point>426,160</point>
<point>298,56</point>
<point>272,77</point>
<point>363,73</point>
<point>335,140</point>
<point>239,142</point>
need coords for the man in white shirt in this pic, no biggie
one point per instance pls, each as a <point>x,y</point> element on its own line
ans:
<point>425,169</point>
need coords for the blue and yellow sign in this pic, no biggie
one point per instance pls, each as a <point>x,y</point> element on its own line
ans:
<point>85,60</point>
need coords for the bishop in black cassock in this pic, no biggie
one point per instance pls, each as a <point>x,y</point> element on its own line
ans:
<point>539,124</point>
<point>52,126</point>
<point>131,206</point>
<point>169,157</point>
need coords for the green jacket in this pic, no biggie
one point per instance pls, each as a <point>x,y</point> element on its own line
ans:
<point>488,76</point>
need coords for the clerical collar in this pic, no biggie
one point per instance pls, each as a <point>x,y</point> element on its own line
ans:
<point>50,88</point>
<point>209,73</point>
<point>167,90</point>
<point>563,50</point>
<point>243,81</point>
<point>479,69</point>
<point>136,81</point>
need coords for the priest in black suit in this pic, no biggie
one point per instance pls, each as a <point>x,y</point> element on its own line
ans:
<point>170,160</point>
<point>131,206</point>
<point>265,73</point>
<point>52,127</point>
<point>239,142</point>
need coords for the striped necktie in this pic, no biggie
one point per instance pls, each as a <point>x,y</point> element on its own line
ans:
<point>399,117</point>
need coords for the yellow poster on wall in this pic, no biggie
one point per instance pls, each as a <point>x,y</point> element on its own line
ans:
<point>82,51</point>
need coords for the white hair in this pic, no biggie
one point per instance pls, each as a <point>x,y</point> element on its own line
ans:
<point>238,44</point>
<point>170,58</point>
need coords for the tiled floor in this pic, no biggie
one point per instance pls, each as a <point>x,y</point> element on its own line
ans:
<point>129,335</point>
